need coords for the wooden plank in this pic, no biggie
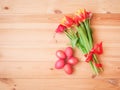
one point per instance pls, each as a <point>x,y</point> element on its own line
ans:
<point>42,69</point>
<point>34,35</point>
<point>56,6</point>
<point>97,19</point>
<point>13,47</point>
<point>59,84</point>
<point>46,54</point>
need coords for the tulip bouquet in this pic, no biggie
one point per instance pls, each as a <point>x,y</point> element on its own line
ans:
<point>77,29</point>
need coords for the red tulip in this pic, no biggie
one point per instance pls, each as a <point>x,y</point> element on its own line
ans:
<point>83,14</point>
<point>89,15</point>
<point>67,21</point>
<point>77,20</point>
<point>60,28</point>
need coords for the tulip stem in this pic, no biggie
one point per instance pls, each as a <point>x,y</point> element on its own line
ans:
<point>87,47</point>
<point>89,34</point>
<point>86,23</point>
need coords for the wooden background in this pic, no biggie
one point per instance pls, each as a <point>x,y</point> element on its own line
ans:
<point>27,45</point>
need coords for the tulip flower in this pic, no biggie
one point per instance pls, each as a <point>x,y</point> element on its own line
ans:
<point>67,21</point>
<point>77,20</point>
<point>83,14</point>
<point>60,28</point>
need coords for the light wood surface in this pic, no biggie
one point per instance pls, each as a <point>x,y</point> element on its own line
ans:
<point>28,46</point>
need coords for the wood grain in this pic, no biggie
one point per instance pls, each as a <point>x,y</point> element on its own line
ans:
<point>45,69</point>
<point>60,84</point>
<point>28,45</point>
<point>63,6</point>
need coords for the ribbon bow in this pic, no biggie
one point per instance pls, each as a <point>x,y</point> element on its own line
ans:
<point>97,49</point>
